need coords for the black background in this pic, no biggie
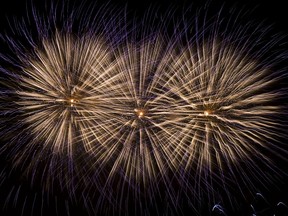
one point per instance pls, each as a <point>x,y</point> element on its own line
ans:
<point>275,12</point>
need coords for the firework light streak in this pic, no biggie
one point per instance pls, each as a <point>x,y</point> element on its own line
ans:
<point>142,109</point>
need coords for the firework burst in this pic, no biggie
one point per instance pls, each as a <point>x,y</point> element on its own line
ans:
<point>109,109</point>
<point>60,89</point>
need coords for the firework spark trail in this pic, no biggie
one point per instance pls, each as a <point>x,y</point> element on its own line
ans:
<point>91,109</point>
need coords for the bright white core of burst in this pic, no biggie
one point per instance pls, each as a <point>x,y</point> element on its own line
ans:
<point>139,113</point>
<point>72,102</point>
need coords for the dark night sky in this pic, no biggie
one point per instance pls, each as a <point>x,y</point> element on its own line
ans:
<point>273,11</point>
